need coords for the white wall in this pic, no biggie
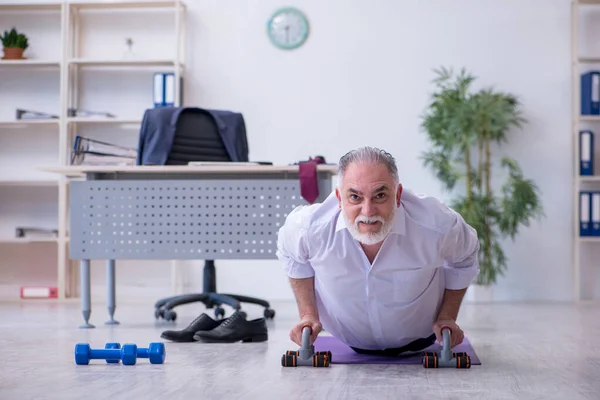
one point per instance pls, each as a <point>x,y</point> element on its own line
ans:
<point>363,78</point>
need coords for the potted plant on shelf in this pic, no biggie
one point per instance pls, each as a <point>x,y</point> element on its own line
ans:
<point>462,127</point>
<point>14,44</point>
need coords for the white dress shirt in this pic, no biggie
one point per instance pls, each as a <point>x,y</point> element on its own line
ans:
<point>396,299</point>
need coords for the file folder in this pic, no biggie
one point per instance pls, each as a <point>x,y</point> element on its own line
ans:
<point>169,99</point>
<point>590,93</point>
<point>92,146</point>
<point>595,214</point>
<point>586,153</point>
<point>159,90</point>
<point>164,89</point>
<point>94,152</point>
<point>585,204</point>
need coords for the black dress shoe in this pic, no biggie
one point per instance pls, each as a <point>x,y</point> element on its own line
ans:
<point>202,323</point>
<point>234,329</point>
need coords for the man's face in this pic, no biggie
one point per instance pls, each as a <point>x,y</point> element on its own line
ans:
<point>368,199</point>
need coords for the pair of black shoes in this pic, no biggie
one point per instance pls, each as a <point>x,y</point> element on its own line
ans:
<point>233,329</point>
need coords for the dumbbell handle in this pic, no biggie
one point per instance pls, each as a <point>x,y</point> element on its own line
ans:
<point>105,354</point>
<point>307,350</point>
<point>143,352</point>
<point>446,353</point>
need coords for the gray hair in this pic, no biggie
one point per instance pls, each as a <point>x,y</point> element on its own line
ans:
<point>368,155</point>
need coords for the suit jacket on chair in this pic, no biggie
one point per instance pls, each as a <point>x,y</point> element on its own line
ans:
<point>158,130</point>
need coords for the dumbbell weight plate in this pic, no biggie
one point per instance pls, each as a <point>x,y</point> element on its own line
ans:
<point>291,353</point>
<point>82,354</point>
<point>157,353</point>
<point>320,360</point>
<point>129,354</point>
<point>112,345</point>
<point>463,362</point>
<point>289,360</point>
<point>430,362</point>
<point>325,353</point>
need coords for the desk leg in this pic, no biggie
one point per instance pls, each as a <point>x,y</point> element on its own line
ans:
<point>86,296</point>
<point>111,294</point>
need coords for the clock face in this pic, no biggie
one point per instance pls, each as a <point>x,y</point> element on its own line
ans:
<point>288,28</point>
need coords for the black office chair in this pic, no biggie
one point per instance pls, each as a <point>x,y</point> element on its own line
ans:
<point>197,139</point>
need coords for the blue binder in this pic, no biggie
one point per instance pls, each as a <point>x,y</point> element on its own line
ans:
<point>585,208</point>
<point>595,213</point>
<point>590,93</point>
<point>164,89</point>
<point>586,153</point>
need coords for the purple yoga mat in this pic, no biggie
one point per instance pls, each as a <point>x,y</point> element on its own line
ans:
<point>343,354</point>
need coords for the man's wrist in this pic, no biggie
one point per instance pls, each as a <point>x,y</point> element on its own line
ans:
<point>443,316</point>
<point>310,316</point>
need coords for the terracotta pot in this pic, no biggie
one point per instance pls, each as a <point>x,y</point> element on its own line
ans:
<point>13,53</point>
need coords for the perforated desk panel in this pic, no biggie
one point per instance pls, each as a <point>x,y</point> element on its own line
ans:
<point>181,219</point>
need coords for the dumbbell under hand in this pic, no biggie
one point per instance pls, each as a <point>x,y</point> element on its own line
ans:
<point>446,358</point>
<point>306,355</point>
<point>113,353</point>
<point>156,352</point>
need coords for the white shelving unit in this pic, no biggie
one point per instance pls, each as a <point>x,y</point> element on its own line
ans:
<point>89,50</point>
<point>583,62</point>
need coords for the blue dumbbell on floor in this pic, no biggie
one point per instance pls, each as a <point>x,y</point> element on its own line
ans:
<point>113,353</point>
<point>84,353</point>
<point>156,352</point>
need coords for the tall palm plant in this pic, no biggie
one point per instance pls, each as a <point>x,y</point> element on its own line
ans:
<point>462,127</point>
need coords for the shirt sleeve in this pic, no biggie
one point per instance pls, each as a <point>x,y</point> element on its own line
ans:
<point>292,249</point>
<point>460,250</point>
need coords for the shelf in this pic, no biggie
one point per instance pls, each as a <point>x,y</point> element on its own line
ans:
<point>28,240</point>
<point>595,178</point>
<point>589,118</point>
<point>78,120</point>
<point>112,4</point>
<point>32,63</point>
<point>69,32</point>
<point>589,239</point>
<point>107,121</point>
<point>28,122</point>
<point>31,6</point>
<point>30,182</point>
<point>123,63</point>
<point>589,60</point>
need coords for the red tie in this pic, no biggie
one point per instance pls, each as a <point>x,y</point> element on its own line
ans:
<point>309,188</point>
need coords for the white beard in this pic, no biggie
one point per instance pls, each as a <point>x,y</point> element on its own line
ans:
<point>369,238</point>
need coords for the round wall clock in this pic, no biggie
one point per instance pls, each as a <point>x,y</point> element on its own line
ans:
<point>288,28</point>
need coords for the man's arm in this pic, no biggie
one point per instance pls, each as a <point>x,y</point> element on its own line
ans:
<point>293,252</point>
<point>304,291</point>
<point>460,249</point>
<point>451,304</point>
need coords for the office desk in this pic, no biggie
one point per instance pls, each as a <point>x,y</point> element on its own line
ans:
<point>177,212</point>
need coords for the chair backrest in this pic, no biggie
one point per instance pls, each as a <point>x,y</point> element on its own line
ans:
<point>196,139</point>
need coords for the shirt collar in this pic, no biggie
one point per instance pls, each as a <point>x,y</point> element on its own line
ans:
<point>398,227</point>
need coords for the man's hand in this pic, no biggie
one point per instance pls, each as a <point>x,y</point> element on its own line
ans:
<point>309,320</point>
<point>456,334</point>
